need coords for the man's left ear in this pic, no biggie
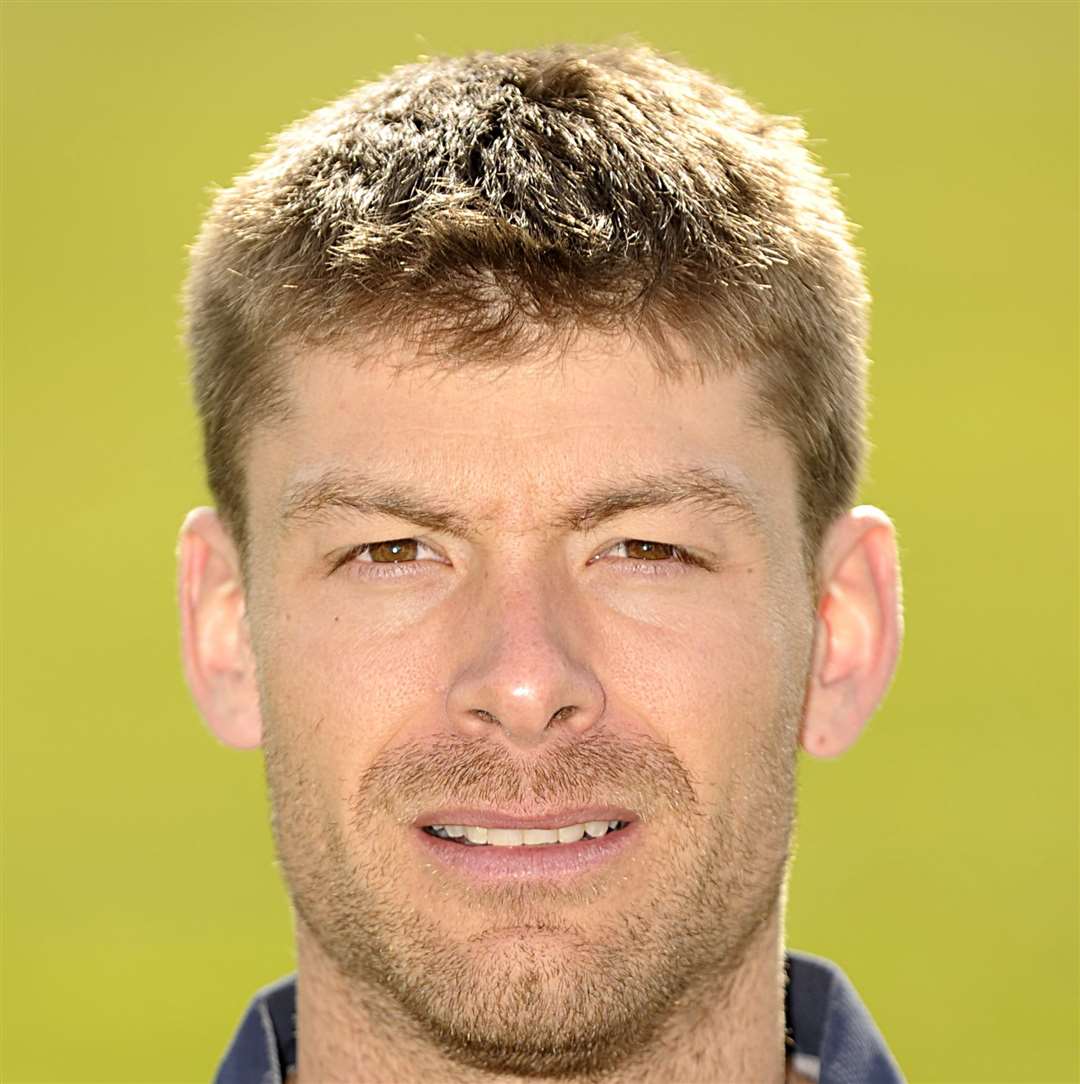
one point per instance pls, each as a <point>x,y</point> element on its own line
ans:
<point>859,630</point>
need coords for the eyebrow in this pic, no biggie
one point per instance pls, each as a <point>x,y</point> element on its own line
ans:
<point>335,491</point>
<point>713,492</point>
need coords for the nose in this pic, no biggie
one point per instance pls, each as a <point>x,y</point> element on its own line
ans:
<point>526,673</point>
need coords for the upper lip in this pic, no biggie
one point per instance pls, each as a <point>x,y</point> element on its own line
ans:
<point>498,818</point>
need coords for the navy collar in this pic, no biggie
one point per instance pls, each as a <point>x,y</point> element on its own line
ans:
<point>832,1037</point>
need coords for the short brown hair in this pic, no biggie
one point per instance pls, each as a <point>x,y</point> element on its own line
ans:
<point>484,205</point>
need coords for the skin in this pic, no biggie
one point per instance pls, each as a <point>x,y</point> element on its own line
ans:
<point>523,661</point>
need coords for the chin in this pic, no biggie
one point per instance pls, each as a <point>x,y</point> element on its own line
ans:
<point>532,1010</point>
<point>536,1001</point>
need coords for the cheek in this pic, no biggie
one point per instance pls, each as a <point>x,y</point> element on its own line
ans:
<point>711,681</point>
<point>339,691</point>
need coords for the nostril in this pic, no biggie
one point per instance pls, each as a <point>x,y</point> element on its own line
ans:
<point>564,713</point>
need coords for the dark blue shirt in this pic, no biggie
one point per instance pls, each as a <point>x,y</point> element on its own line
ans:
<point>833,1039</point>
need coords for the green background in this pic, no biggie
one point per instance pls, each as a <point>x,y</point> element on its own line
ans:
<point>937,862</point>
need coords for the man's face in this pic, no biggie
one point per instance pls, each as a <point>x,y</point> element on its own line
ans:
<point>587,604</point>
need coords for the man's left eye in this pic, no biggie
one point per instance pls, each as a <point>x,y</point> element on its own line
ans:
<point>643,549</point>
<point>640,549</point>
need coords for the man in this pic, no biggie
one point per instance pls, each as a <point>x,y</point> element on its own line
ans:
<point>532,394</point>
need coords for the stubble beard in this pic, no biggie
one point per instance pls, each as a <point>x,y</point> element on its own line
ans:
<point>549,998</point>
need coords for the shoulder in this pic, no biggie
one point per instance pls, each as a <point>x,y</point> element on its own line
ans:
<point>263,1048</point>
<point>833,1036</point>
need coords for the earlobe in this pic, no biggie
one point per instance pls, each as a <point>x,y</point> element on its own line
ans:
<point>218,661</point>
<point>859,630</point>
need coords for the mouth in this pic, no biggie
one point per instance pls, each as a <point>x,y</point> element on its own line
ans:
<point>488,845</point>
<point>470,835</point>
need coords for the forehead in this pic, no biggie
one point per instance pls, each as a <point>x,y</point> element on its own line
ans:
<point>513,440</point>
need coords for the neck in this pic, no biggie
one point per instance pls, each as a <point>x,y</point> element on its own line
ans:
<point>731,1031</point>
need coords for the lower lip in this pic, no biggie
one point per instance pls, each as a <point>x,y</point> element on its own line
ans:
<point>545,861</point>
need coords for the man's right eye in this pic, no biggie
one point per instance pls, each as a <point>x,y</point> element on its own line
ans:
<point>392,551</point>
<point>391,556</point>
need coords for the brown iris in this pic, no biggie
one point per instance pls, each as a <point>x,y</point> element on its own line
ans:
<point>641,550</point>
<point>397,549</point>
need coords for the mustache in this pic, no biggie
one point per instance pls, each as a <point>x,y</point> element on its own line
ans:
<point>636,772</point>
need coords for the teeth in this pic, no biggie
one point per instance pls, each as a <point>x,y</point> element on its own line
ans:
<point>533,836</point>
<point>527,837</point>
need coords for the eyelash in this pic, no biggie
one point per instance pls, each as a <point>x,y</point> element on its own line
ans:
<point>390,569</point>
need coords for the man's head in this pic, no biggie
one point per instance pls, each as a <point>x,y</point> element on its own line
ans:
<point>529,385</point>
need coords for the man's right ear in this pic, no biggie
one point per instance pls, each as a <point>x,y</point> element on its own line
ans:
<point>218,660</point>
